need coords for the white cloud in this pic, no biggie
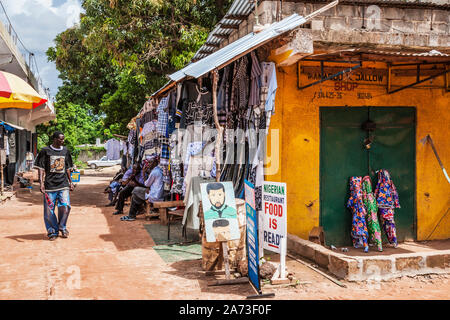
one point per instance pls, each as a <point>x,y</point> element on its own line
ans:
<point>37,22</point>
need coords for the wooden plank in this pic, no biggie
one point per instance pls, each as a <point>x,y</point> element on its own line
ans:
<point>178,213</point>
<point>225,259</point>
<point>229,281</point>
<point>168,204</point>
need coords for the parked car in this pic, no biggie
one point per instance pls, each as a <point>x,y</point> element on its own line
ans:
<point>103,162</point>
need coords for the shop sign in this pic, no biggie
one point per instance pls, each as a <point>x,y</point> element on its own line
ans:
<point>274,208</point>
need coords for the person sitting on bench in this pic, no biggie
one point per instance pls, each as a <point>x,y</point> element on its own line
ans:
<point>114,187</point>
<point>133,177</point>
<point>153,190</point>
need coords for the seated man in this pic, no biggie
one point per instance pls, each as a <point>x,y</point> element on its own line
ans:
<point>153,190</point>
<point>114,187</point>
<point>133,177</point>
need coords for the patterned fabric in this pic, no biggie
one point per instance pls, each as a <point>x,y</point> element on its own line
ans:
<point>385,192</point>
<point>197,111</point>
<point>387,220</point>
<point>387,199</point>
<point>239,94</point>
<point>193,149</point>
<point>165,153</point>
<point>355,203</point>
<point>163,117</point>
<point>255,81</point>
<point>177,176</point>
<point>164,165</point>
<point>372,209</point>
<point>223,91</point>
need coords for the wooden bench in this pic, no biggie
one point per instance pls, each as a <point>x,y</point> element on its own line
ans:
<point>162,212</point>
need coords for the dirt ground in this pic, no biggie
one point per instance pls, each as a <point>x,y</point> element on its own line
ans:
<point>105,258</point>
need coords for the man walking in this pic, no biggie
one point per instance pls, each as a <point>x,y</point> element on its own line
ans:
<point>55,163</point>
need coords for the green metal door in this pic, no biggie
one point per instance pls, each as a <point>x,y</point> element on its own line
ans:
<point>393,149</point>
<point>343,155</point>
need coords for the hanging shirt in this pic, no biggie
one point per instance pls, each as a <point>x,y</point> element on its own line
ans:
<point>255,83</point>
<point>112,147</point>
<point>163,117</point>
<point>55,163</point>
<point>155,182</point>
<point>270,79</point>
<point>12,147</point>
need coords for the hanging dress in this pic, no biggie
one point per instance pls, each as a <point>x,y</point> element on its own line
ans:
<point>373,226</point>
<point>359,233</point>
<point>387,200</point>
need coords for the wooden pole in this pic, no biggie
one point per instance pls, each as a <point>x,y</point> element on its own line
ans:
<point>225,259</point>
<point>2,180</point>
<point>218,149</point>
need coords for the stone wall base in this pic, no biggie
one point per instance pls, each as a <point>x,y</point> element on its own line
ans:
<point>362,268</point>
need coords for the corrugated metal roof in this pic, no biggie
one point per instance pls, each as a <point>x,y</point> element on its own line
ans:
<point>238,48</point>
<point>239,8</point>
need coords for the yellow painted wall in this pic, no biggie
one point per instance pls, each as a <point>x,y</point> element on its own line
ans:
<point>297,119</point>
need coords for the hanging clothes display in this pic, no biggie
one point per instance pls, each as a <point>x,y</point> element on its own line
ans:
<point>370,204</point>
<point>12,147</point>
<point>359,233</point>
<point>387,200</point>
<point>223,93</point>
<point>246,90</point>
<point>113,148</point>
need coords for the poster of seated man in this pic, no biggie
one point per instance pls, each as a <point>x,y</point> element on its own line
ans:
<point>219,211</point>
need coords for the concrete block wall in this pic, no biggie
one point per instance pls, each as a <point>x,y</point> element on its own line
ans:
<point>389,26</point>
<point>362,268</point>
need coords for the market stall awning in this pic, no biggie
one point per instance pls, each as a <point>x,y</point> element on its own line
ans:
<point>238,48</point>
<point>16,93</point>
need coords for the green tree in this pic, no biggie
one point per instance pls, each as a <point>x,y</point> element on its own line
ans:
<point>79,125</point>
<point>122,50</point>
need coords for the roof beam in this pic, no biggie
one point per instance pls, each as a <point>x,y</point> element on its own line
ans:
<point>221,36</point>
<point>229,26</point>
<point>236,17</point>
<point>215,45</point>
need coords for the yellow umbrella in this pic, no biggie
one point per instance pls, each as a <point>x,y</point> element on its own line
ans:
<point>16,93</point>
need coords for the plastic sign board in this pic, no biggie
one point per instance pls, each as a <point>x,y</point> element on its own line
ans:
<point>274,208</point>
<point>252,236</point>
<point>219,211</point>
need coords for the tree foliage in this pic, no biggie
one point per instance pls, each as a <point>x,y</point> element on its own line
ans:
<point>120,53</point>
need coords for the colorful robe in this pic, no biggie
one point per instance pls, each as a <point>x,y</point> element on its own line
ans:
<point>387,199</point>
<point>370,204</point>
<point>359,233</point>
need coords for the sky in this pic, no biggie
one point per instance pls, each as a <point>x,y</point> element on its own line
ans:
<point>37,22</point>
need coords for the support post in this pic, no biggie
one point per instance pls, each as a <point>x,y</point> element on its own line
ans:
<point>225,259</point>
<point>219,128</point>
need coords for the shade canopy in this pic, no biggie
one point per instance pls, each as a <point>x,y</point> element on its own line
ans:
<point>16,93</point>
